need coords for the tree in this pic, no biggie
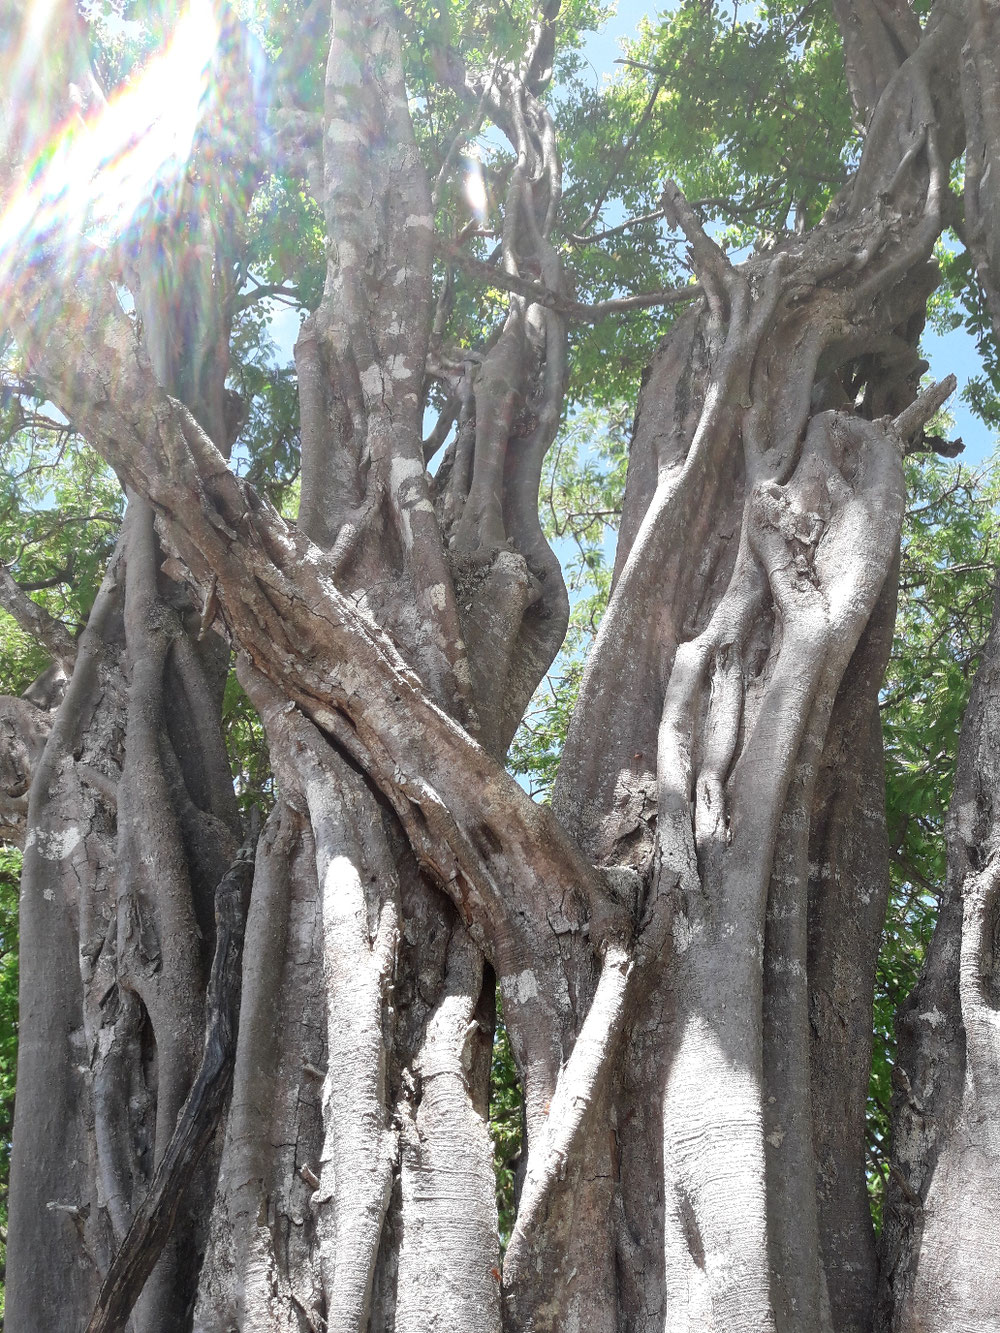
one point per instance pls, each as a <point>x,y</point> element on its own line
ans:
<point>265,1106</point>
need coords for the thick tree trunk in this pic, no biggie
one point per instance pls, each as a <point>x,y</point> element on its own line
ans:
<point>939,1240</point>
<point>940,1262</point>
<point>685,944</point>
<point>131,826</point>
<point>848,892</point>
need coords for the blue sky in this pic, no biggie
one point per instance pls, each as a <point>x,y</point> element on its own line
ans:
<point>603,48</point>
<point>950,353</point>
<point>953,353</point>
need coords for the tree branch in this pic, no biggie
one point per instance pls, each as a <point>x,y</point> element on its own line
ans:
<point>50,632</point>
<point>278,598</point>
<point>615,231</point>
<point>578,311</point>
<point>923,407</point>
<point>709,259</point>
<point>154,1219</point>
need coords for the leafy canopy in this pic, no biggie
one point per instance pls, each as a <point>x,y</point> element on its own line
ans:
<point>746,107</point>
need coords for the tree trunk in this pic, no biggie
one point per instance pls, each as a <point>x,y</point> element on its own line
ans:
<point>685,942</point>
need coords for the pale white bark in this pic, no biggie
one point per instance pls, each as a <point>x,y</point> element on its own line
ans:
<point>644,934</point>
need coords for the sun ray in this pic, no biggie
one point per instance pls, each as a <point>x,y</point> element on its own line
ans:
<point>90,177</point>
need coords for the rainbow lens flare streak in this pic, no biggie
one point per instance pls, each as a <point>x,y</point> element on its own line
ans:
<point>93,174</point>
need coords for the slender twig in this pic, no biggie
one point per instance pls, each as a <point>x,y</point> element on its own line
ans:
<point>575,239</point>
<point>262,290</point>
<point>563,305</point>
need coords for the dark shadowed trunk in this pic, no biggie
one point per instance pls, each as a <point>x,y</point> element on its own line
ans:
<point>685,942</point>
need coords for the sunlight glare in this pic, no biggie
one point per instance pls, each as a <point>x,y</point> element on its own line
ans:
<point>475,188</point>
<point>93,175</point>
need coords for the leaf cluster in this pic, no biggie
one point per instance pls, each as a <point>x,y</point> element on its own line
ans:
<point>583,483</point>
<point>959,303</point>
<point>60,507</point>
<point>948,567</point>
<point>745,108</point>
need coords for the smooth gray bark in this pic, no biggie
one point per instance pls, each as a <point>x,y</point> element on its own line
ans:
<point>684,944</point>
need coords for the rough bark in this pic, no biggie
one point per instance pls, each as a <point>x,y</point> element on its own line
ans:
<point>131,826</point>
<point>938,1261</point>
<point>848,891</point>
<point>123,853</point>
<point>939,1268</point>
<point>685,943</point>
<point>153,1222</point>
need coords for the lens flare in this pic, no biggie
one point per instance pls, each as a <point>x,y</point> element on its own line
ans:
<point>475,188</point>
<point>94,173</point>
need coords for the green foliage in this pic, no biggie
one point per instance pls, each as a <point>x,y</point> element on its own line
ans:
<point>267,452</point>
<point>581,495</point>
<point>122,35</point>
<point>959,303</point>
<point>708,96</point>
<point>22,660</point>
<point>949,564</point>
<point>506,1124</point>
<point>60,508</point>
<point>484,32</point>
<point>285,240</point>
<point>246,746</point>
<point>746,108</point>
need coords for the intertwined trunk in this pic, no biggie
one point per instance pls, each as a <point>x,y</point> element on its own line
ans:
<point>684,943</point>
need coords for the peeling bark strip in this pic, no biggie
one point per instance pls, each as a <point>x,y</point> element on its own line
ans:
<point>152,1222</point>
<point>684,943</point>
